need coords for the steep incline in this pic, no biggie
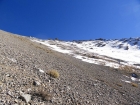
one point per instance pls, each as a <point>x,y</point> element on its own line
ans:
<point>22,63</point>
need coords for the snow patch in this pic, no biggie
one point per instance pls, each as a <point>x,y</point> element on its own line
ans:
<point>124,51</point>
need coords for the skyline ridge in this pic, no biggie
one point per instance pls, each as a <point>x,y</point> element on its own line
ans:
<point>72,39</point>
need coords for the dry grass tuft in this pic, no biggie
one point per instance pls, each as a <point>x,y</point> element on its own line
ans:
<point>102,63</point>
<point>43,93</point>
<point>54,73</point>
<point>127,68</point>
<point>134,84</point>
<point>118,84</point>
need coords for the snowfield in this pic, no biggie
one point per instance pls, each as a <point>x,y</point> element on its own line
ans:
<point>111,53</point>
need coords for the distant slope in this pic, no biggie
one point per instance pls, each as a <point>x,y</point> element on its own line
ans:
<point>106,52</point>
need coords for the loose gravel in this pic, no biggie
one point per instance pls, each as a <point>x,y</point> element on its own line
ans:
<point>24,67</point>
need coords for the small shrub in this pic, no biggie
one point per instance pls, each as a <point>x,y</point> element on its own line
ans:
<point>45,96</point>
<point>43,93</point>
<point>134,84</point>
<point>118,84</point>
<point>93,56</point>
<point>53,73</point>
<point>127,68</point>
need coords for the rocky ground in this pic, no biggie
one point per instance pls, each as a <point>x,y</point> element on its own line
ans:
<point>25,79</point>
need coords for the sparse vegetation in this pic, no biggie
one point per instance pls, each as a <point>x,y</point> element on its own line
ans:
<point>134,84</point>
<point>93,56</point>
<point>127,68</point>
<point>54,73</point>
<point>118,84</point>
<point>43,93</point>
<point>102,63</point>
<point>39,46</point>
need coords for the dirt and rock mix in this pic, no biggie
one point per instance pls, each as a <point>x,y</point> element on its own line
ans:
<point>26,77</point>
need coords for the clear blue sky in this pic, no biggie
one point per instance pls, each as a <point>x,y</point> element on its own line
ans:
<point>71,19</point>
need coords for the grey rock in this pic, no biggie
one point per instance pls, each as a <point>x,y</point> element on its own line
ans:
<point>26,97</point>
<point>36,83</point>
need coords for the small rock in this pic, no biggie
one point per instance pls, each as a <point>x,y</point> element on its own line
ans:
<point>36,83</point>
<point>7,75</point>
<point>9,93</point>
<point>134,79</point>
<point>1,83</point>
<point>26,97</point>
<point>16,100</point>
<point>29,89</point>
<point>68,88</point>
<point>134,75</point>
<point>41,71</point>
<point>21,103</point>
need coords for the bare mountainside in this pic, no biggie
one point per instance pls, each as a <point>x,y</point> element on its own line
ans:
<point>25,77</point>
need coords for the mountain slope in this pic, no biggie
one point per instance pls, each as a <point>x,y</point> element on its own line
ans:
<point>107,52</point>
<point>24,62</point>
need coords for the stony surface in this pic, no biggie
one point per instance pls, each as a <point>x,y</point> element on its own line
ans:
<point>22,62</point>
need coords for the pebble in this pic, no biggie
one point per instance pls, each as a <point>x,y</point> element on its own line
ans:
<point>26,97</point>
<point>36,83</point>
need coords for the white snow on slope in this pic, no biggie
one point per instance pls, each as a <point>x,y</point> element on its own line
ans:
<point>103,52</point>
<point>132,55</point>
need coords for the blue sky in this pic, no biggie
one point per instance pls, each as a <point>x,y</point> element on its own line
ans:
<point>71,19</point>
